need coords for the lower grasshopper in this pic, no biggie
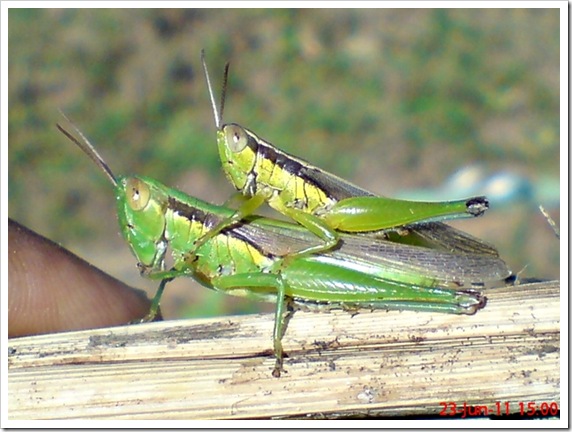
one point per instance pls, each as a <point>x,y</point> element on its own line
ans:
<point>256,258</point>
<point>326,204</point>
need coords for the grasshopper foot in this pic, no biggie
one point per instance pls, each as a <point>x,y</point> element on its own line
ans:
<point>278,367</point>
<point>150,317</point>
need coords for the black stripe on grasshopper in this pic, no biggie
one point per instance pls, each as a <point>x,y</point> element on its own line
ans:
<point>290,164</point>
<point>193,214</point>
<point>210,220</point>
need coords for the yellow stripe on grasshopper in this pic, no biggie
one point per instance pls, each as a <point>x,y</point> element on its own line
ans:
<point>184,226</point>
<point>254,169</point>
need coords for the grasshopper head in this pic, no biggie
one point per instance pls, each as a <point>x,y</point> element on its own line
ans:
<point>140,208</point>
<point>237,150</point>
<point>141,214</point>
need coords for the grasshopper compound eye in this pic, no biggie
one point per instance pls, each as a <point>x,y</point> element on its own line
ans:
<point>137,193</point>
<point>236,137</point>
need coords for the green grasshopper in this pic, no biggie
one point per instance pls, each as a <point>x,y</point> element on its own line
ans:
<point>326,204</point>
<point>257,258</point>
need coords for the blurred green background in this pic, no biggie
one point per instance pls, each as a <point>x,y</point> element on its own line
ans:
<point>394,100</point>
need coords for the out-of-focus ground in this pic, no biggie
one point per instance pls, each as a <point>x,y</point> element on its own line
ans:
<point>394,100</point>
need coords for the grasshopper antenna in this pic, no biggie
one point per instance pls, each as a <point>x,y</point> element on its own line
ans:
<point>87,148</point>
<point>217,114</point>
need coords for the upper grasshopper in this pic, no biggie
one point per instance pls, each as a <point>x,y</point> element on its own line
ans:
<point>326,204</point>
<point>258,258</point>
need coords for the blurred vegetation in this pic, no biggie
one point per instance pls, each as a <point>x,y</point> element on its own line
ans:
<point>391,99</point>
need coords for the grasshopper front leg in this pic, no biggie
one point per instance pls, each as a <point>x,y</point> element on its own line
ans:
<point>312,223</point>
<point>247,208</point>
<point>165,276</point>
